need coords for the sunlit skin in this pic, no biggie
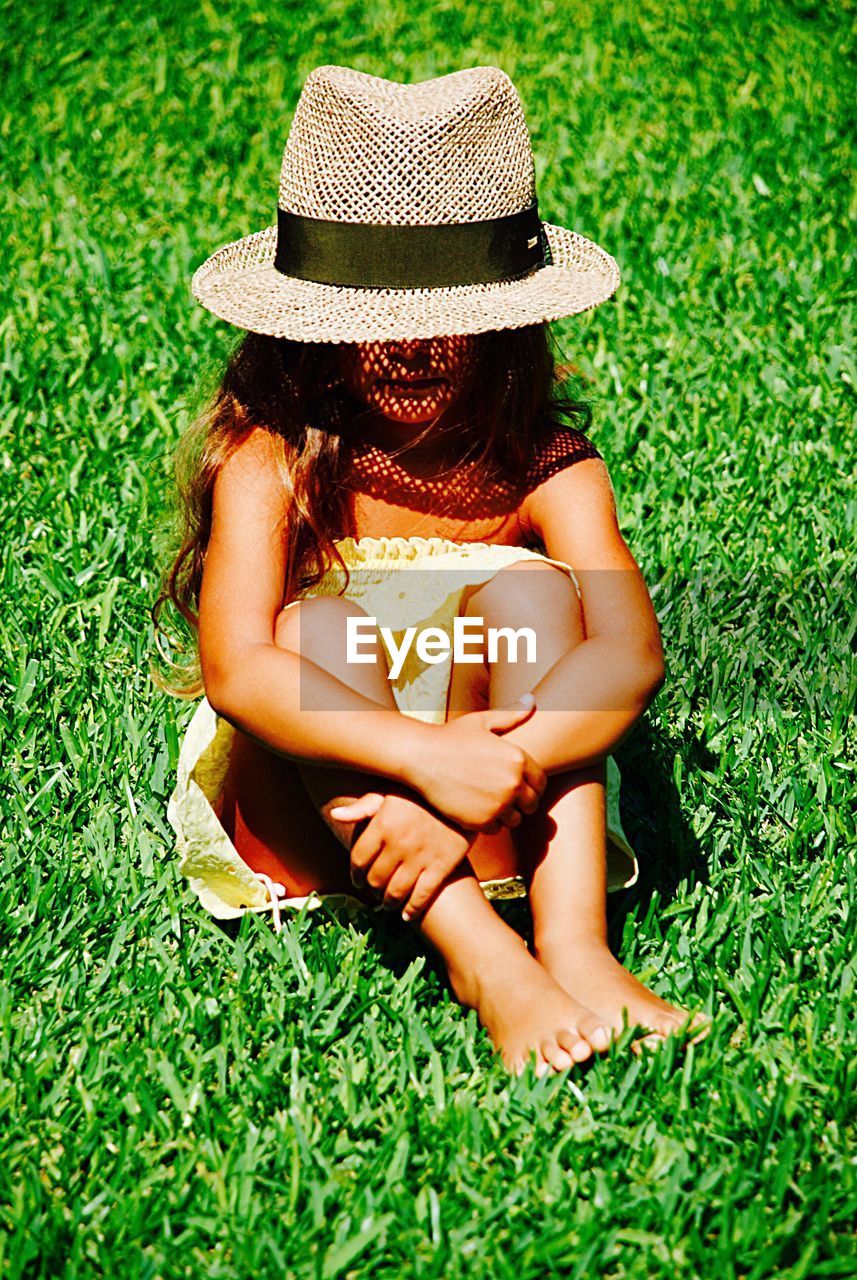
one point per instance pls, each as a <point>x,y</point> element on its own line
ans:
<point>565,1001</point>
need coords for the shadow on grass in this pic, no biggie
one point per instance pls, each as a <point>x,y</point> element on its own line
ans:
<point>666,848</point>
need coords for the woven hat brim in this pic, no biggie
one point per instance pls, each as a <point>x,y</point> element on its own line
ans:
<point>240,284</point>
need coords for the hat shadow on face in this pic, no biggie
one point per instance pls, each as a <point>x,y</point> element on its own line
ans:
<point>410,381</point>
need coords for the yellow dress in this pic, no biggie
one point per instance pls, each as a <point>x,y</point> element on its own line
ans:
<point>223,882</point>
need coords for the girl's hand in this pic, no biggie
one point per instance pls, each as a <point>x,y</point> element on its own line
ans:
<point>405,851</point>
<point>475,777</point>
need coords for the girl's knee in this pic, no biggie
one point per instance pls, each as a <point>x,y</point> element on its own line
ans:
<point>304,623</point>
<point>317,629</point>
<point>530,592</point>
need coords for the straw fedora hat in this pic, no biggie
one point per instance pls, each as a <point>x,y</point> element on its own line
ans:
<point>405,211</point>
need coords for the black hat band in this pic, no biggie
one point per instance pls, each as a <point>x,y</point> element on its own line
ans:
<point>372,255</point>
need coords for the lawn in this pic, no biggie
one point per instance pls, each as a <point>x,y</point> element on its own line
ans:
<point>178,1102</point>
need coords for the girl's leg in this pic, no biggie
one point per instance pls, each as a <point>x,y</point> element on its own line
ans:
<point>265,808</point>
<point>561,849</point>
<point>523,1008</point>
<point>567,886</point>
<point>489,967</point>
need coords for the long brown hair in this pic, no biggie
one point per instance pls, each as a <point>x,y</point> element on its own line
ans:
<point>518,394</point>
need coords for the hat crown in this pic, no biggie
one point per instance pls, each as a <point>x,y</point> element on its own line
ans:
<point>364,149</point>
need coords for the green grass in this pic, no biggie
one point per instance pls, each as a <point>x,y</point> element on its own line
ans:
<point>177,1102</point>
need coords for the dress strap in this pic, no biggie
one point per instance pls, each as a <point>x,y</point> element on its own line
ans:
<point>565,447</point>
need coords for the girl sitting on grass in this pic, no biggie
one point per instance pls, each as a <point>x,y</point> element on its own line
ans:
<point>387,454</point>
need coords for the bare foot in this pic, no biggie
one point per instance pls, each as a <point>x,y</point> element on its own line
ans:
<point>592,973</point>
<point>523,1009</point>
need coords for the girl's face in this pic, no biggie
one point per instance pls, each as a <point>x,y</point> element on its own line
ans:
<point>409,381</point>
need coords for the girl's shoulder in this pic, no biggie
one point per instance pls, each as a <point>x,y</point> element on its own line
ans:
<point>561,447</point>
<point>558,450</point>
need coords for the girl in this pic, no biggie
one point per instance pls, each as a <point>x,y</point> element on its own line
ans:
<point>384,470</point>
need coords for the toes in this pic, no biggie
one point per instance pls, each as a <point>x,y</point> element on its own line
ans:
<point>667,1026</point>
<point>682,1022</point>
<point>590,1031</point>
<point>661,1028</point>
<point>702,1026</point>
<point>658,1031</point>
<point>574,1043</point>
<point>647,1042</point>
<point>657,1023</point>
<point>594,1030</point>
<point>556,1056</point>
<point>600,1038</point>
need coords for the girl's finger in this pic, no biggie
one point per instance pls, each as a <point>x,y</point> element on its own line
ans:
<point>364,807</point>
<point>490,828</point>
<point>500,719</point>
<point>527,799</point>
<point>381,872</point>
<point>535,776</point>
<point>400,885</point>
<point>365,850</point>
<point>510,817</point>
<point>427,885</point>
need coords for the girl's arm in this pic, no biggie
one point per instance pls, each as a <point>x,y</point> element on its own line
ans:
<point>248,680</point>
<point>593,695</point>
<point>479,778</point>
